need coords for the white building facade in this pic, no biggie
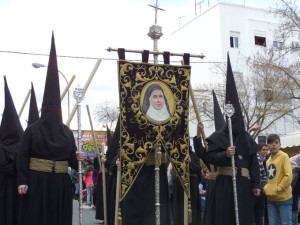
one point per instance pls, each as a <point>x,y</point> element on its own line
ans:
<point>238,29</point>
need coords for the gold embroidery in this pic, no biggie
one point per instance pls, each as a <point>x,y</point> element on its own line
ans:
<point>139,132</point>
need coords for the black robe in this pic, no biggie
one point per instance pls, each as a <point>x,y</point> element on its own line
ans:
<point>177,198</point>
<point>99,192</point>
<point>8,185</point>
<point>138,206</point>
<point>111,194</point>
<point>49,197</point>
<point>224,200</point>
<point>209,215</point>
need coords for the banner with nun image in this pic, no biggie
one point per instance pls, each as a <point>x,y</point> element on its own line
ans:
<point>154,109</point>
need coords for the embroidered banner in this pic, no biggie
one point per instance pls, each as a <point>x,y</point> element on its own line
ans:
<point>154,105</point>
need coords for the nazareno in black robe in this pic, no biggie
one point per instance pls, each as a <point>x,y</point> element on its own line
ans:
<point>224,198</point>
<point>245,157</point>
<point>49,196</point>
<point>11,132</point>
<point>8,185</point>
<point>209,216</point>
<point>99,191</point>
<point>48,200</point>
<point>111,195</point>
<point>177,197</point>
<point>138,206</point>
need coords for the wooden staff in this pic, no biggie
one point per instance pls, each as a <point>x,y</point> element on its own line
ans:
<point>86,86</point>
<point>102,167</point>
<point>198,115</point>
<point>24,103</point>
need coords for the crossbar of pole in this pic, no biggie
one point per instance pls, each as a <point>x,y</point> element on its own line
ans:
<point>201,56</point>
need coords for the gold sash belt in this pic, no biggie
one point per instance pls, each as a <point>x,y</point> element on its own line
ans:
<point>48,166</point>
<point>227,171</point>
<point>150,161</point>
<point>212,175</point>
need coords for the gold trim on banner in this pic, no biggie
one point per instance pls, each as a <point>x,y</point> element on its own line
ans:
<point>140,131</point>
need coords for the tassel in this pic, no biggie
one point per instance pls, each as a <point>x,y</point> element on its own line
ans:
<point>119,217</point>
<point>189,212</point>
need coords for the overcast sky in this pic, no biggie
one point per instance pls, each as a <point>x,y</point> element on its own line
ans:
<point>82,29</point>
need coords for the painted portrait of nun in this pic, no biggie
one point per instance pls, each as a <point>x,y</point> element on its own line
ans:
<point>155,104</point>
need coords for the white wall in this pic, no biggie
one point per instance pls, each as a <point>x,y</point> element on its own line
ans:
<point>211,36</point>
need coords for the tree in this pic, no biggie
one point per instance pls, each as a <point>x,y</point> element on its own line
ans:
<point>288,12</point>
<point>266,95</point>
<point>107,113</point>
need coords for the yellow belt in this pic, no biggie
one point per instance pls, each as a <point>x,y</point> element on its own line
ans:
<point>212,175</point>
<point>227,171</point>
<point>48,166</point>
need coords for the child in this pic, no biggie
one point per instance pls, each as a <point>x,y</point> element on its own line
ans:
<point>278,188</point>
<point>89,183</point>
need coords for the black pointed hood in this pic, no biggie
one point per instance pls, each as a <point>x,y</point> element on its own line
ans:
<point>109,137</point>
<point>115,143</point>
<point>52,91</point>
<point>218,116</point>
<point>33,115</point>
<point>245,144</point>
<point>53,136</point>
<point>232,97</point>
<point>10,130</point>
<point>51,106</point>
<point>231,90</point>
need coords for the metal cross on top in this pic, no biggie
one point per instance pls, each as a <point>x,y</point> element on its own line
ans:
<point>155,32</point>
<point>156,8</point>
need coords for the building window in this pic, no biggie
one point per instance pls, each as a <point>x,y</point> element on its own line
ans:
<point>278,44</point>
<point>295,44</point>
<point>234,42</point>
<point>260,41</point>
<point>234,39</point>
<point>262,140</point>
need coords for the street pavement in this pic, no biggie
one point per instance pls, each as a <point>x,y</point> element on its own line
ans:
<point>88,215</point>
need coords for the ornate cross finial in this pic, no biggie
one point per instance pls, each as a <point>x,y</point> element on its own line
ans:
<point>78,94</point>
<point>155,32</point>
<point>229,110</point>
<point>156,8</point>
